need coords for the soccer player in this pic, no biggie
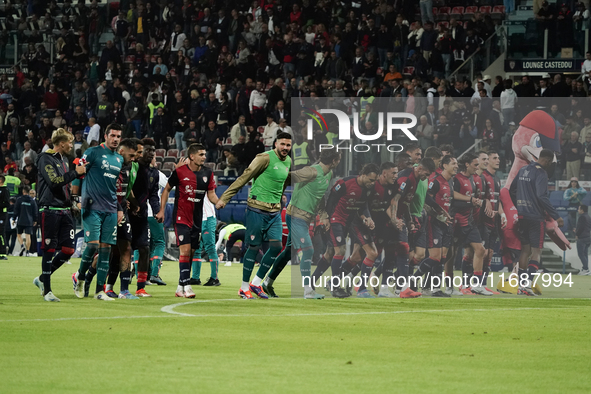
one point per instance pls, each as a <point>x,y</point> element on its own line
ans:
<point>349,215</point>
<point>157,236</point>
<point>101,212</point>
<point>25,215</point>
<point>405,189</point>
<point>418,242</point>
<point>530,191</point>
<point>228,236</point>
<point>57,223</point>
<point>465,231</point>
<point>311,184</point>
<point>385,231</point>
<point>270,171</point>
<point>192,181</point>
<point>208,244</point>
<point>144,191</point>
<point>4,204</point>
<point>439,199</point>
<point>489,230</point>
<point>120,263</point>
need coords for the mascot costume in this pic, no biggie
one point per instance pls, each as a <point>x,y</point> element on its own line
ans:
<point>536,131</point>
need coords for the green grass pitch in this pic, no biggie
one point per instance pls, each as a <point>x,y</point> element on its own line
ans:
<point>218,343</point>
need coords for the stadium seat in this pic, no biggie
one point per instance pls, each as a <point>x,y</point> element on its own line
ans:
<point>183,153</point>
<point>469,12</point>
<point>239,213</point>
<point>173,153</point>
<point>442,24</point>
<point>167,173</point>
<point>485,9</point>
<point>158,165</point>
<point>225,215</point>
<point>159,159</point>
<point>443,14</point>
<point>168,166</point>
<point>498,12</point>
<point>169,159</point>
<point>457,12</point>
<point>221,189</point>
<point>408,70</point>
<point>466,25</point>
<point>210,165</point>
<point>160,153</point>
<point>242,194</point>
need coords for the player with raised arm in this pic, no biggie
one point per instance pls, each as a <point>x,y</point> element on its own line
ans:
<point>439,199</point>
<point>311,184</point>
<point>101,211</point>
<point>465,231</point>
<point>192,182</point>
<point>270,171</point>
<point>56,204</point>
<point>529,191</point>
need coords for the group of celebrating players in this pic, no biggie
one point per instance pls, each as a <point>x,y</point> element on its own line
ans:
<point>414,215</point>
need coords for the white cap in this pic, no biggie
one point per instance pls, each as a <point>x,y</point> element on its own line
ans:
<point>486,77</point>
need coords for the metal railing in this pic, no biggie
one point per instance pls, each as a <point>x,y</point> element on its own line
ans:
<point>470,61</point>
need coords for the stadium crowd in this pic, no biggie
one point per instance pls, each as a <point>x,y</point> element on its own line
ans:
<point>225,77</point>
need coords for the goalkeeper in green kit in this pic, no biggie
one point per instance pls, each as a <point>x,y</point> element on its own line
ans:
<point>270,171</point>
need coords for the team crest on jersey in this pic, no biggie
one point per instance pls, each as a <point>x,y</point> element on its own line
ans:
<point>252,237</point>
<point>118,160</point>
<point>204,179</point>
<point>435,241</point>
<point>365,237</point>
<point>338,239</point>
<point>88,233</point>
<point>47,241</point>
<point>181,237</point>
<point>151,179</point>
<point>302,240</point>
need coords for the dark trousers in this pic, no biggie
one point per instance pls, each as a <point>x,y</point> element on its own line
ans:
<point>161,138</point>
<point>583,251</point>
<point>2,237</point>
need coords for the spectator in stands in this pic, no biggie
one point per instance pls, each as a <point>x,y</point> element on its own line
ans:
<point>239,129</point>
<point>161,126</point>
<point>94,133</point>
<point>253,147</point>
<point>583,238</point>
<point>425,133</point>
<point>29,172</point>
<point>572,154</point>
<point>78,143</point>
<point>10,164</point>
<point>230,163</point>
<point>28,153</point>
<point>103,111</point>
<point>134,112</point>
<point>508,102</point>
<point>191,136</point>
<point>574,195</point>
<point>239,151</point>
<point>211,141</point>
<point>570,127</point>
<point>270,132</point>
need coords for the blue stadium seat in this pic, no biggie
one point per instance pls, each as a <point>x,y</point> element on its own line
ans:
<point>221,189</point>
<point>239,213</point>
<point>242,194</point>
<point>288,195</point>
<point>225,215</point>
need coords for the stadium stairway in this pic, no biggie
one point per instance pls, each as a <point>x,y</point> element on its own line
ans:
<point>553,263</point>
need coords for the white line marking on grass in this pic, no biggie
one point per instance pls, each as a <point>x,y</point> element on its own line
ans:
<point>169,312</point>
<point>170,309</point>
